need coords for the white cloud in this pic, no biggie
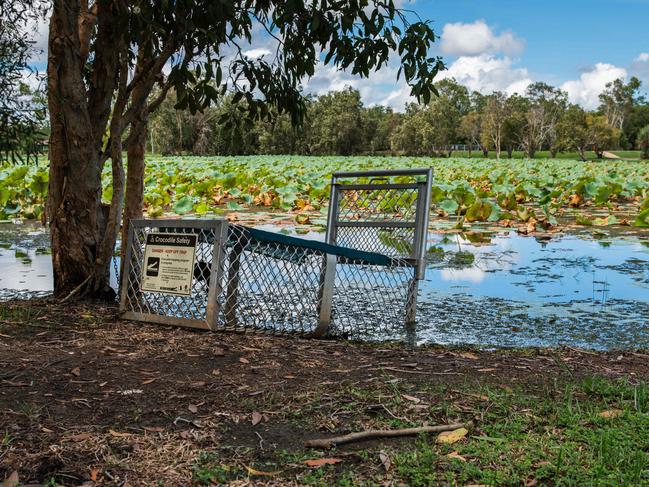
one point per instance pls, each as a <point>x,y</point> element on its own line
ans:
<point>585,90</point>
<point>640,68</point>
<point>477,38</point>
<point>257,52</point>
<point>486,73</point>
<point>38,32</point>
<point>374,90</point>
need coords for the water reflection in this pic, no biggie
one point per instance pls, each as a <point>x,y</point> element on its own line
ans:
<point>488,289</point>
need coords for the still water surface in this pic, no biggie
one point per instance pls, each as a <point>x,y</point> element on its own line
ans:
<point>497,289</point>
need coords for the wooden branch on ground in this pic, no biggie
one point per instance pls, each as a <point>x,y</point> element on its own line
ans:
<point>371,434</point>
<point>76,289</point>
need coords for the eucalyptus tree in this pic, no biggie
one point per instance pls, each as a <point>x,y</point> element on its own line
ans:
<point>470,129</point>
<point>107,56</point>
<point>643,142</point>
<point>495,114</point>
<point>618,99</point>
<point>583,131</point>
<point>21,114</point>
<point>546,105</point>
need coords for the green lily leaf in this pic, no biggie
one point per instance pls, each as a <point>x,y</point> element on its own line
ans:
<point>184,205</point>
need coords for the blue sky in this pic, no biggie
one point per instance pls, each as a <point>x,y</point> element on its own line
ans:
<point>561,37</point>
<point>505,45</point>
<point>488,45</point>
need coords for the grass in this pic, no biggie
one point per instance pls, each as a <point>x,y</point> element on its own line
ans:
<point>589,432</point>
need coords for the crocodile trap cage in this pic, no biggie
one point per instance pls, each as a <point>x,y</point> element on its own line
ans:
<point>360,283</point>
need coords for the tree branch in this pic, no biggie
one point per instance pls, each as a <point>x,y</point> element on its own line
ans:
<point>370,434</point>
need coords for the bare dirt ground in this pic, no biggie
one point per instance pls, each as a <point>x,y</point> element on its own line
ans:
<point>88,399</point>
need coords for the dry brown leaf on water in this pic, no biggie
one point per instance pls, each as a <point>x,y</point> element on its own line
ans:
<point>244,360</point>
<point>455,454</point>
<point>12,480</point>
<point>575,200</point>
<point>256,418</point>
<point>611,413</point>
<point>411,398</point>
<point>319,462</point>
<point>385,460</point>
<point>452,436</point>
<point>252,471</point>
<point>302,219</point>
<point>193,408</point>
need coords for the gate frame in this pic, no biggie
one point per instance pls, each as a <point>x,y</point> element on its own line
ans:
<point>420,225</point>
<point>220,227</point>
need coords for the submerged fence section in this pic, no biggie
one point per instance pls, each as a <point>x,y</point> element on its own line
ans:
<point>361,283</point>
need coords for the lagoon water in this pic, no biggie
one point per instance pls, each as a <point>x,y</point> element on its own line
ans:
<point>486,289</point>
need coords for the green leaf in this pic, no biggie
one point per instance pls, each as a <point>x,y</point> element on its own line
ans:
<point>642,220</point>
<point>479,211</point>
<point>183,206</point>
<point>449,206</point>
<point>12,209</point>
<point>584,220</point>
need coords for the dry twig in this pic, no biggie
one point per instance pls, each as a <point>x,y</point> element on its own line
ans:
<point>371,434</point>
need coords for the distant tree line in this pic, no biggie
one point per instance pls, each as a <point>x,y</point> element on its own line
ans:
<point>339,124</point>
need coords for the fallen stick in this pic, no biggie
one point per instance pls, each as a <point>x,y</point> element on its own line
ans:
<point>370,434</point>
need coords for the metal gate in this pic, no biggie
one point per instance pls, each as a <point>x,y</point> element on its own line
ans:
<point>360,283</point>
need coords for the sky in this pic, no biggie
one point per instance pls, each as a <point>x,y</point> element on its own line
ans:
<point>504,45</point>
<point>487,45</point>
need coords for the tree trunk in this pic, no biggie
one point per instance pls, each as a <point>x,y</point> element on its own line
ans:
<point>510,152</point>
<point>582,153</point>
<point>134,200</point>
<point>78,119</point>
<point>485,152</point>
<point>75,177</point>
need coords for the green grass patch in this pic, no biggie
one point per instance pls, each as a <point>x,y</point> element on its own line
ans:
<point>588,432</point>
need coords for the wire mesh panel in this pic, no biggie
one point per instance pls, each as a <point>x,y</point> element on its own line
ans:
<point>360,284</point>
<point>278,284</point>
<point>370,302</point>
<point>195,309</point>
<point>267,285</point>
<point>381,216</point>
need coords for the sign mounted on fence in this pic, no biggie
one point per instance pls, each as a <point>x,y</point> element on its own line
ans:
<point>169,263</point>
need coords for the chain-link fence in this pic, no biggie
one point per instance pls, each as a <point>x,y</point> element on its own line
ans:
<point>196,308</point>
<point>360,287</point>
